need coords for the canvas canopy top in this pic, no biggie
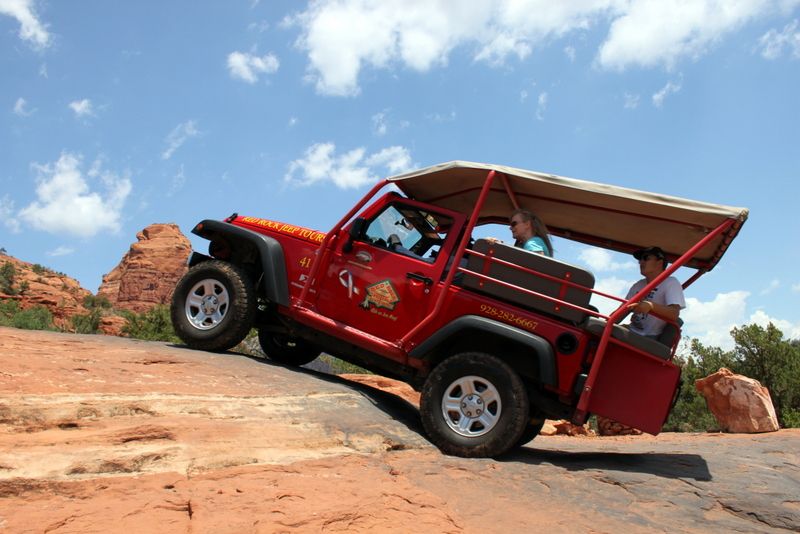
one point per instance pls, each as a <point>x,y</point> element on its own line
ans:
<point>607,216</point>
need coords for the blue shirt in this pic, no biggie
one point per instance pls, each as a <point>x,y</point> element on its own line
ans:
<point>537,244</point>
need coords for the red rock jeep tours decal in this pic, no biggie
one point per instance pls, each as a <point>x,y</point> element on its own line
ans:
<point>289,229</point>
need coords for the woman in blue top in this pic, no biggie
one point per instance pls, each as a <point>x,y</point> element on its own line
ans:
<point>530,233</point>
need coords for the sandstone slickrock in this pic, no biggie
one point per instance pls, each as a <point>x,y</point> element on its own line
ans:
<point>113,435</point>
<point>148,272</point>
<point>739,403</point>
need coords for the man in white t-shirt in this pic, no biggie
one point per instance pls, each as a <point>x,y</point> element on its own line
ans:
<point>666,300</point>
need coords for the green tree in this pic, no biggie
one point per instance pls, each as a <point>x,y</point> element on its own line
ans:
<point>7,274</point>
<point>763,354</point>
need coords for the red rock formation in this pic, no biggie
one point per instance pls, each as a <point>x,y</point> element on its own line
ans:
<point>147,274</point>
<point>562,427</point>
<point>609,427</point>
<point>37,285</point>
<point>739,403</point>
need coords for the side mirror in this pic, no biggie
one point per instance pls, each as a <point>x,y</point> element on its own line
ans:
<point>356,231</point>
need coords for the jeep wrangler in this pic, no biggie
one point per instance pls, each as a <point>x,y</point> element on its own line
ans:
<point>495,338</point>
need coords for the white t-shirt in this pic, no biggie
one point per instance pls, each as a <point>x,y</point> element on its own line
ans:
<point>668,293</point>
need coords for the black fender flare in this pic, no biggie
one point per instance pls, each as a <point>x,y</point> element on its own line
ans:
<point>541,349</point>
<point>273,263</point>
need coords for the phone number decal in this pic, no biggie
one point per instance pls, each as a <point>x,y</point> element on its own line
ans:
<point>507,316</point>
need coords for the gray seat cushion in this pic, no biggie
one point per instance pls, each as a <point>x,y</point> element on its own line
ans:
<point>651,346</point>
<point>535,262</point>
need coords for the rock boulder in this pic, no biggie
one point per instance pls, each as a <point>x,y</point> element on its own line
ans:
<point>740,404</point>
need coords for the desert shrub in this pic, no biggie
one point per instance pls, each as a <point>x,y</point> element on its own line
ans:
<point>152,325</point>
<point>34,318</point>
<point>88,323</point>
<point>38,269</point>
<point>7,274</point>
<point>91,302</point>
<point>8,309</point>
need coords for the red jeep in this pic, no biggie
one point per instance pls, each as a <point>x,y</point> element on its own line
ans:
<point>496,338</point>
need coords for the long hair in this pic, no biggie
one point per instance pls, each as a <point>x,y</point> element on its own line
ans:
<point>539,228</point>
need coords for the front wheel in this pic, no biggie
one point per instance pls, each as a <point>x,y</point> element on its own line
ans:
<point>282,348</point>
<point>213,306</point>
<point>473,405</point>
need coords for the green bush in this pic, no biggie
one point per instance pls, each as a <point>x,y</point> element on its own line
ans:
<point>91,302</point>
<point>7,274</point>
<point>88,323</point>
<point>38,269</point>
<point>152,325</point>
<point>34,318</point>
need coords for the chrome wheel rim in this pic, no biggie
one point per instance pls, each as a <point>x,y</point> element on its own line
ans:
<point>207,304</point>
<point>471,406</point>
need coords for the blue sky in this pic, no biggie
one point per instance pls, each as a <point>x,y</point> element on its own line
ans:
<point>116,115</point>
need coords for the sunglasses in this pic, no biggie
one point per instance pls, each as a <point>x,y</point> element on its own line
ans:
<point>513,224</point>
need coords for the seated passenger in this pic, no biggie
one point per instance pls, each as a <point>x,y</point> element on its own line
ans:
<point>530,233</point>
<point>666,300</point>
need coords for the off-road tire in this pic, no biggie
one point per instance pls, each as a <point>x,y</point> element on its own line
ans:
<point>532,428</point>
<point>230,323</point>
<point>285,349</point>
<point>463,381</point>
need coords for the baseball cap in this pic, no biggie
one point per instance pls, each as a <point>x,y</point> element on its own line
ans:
<point>649,251</point>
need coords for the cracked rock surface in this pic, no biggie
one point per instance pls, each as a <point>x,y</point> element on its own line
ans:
<point>102,434</point>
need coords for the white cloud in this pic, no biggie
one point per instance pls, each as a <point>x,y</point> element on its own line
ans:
<point>772,286</point>
<point>711,322</point>
<point>774,42</point>
<point>7,214</point>
<point>31,29</point>
<point>379,125</point>
<point>611,286</point>
<point>342,37</point>
<point>601,260</point>
<point>20,108</point>
<point>350,170</point>
<point>541,106</point>
<point>66,204</point>
<point>61,251</point>
<point>178,181</point>
<point>523,95</point>
<point>664,92</point>
<point>796,288</point>
<point>651,33</point>
<point>43,71</point>
<point>82,108</point>
<point>247,67</point>
<point>292,121</point>
<point>178,136</point>
<point>631,101</point>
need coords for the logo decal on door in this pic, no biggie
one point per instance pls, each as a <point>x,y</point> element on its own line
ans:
<point>382,295</point>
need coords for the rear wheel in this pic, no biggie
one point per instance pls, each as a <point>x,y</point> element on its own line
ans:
<point>213,306</point>
<point>474,405</point>
<point>285,349</point>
